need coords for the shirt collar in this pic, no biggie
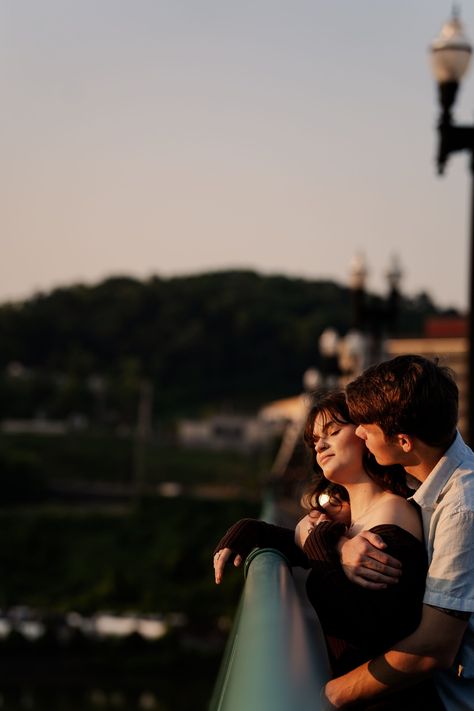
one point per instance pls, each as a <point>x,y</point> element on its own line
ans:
<point>428,493</point>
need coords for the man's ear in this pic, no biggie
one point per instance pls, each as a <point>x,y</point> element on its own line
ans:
<point>405,442</point>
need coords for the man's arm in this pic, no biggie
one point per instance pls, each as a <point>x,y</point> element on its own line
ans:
<point>433,645</point>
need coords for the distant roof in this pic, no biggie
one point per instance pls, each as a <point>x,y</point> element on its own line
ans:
<point>292,408</point>
<point>446,327</point>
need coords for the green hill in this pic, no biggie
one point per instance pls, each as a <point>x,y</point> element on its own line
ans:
<point>228,339</point>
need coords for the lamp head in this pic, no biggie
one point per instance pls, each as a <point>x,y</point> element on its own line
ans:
<point>450,52</point>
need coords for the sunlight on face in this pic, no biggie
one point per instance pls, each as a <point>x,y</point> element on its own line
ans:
<point>338,450</point>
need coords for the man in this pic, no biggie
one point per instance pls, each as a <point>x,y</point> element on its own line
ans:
<point>407,411</point>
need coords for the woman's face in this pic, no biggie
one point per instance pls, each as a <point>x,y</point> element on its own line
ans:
<point>338,450</point>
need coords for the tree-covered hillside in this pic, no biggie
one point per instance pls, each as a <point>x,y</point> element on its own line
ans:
<point>231,339</point>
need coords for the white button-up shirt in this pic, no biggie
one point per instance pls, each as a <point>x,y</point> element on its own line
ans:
<point>446,500</point>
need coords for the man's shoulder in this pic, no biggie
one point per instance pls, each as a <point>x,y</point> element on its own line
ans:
<point>459,455</point>
<point>457,490</point>
<point>458,494</point>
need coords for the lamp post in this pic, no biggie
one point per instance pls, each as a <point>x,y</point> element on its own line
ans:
<point>450,54</point>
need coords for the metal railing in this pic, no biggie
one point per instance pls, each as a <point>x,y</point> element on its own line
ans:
<point>276,658</point>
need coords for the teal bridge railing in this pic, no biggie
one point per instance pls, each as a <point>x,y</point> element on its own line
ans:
<point>276,657</point>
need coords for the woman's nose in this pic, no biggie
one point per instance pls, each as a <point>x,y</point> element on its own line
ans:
<point>320,445</point>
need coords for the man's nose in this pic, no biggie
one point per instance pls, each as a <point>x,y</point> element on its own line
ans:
<point>360,432</point>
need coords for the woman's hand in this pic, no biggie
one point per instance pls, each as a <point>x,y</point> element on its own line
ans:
<point>220,560</point>
<point>306,525</point>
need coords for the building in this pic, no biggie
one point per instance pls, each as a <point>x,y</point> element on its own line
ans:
<point>447,339</point>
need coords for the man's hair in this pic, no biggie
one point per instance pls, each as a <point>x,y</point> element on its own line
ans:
<point>407,395</point>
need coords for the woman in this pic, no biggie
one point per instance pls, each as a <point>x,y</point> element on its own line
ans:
<point>358,623</point>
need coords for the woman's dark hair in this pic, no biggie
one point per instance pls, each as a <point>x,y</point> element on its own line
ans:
<point>333,405</point>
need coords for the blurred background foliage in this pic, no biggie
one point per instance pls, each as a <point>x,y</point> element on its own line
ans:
<point>157,558</point>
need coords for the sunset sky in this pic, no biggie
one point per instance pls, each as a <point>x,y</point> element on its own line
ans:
<point>170,137</point>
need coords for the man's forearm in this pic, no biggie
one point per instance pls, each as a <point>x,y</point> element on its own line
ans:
<point>433,645</point>
<point>387,673</point>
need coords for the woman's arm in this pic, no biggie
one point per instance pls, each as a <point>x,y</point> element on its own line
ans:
<point>247,534</point>
<point>321,542</point>
<point>305,526</point>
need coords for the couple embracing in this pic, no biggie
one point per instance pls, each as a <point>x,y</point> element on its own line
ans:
<point>392,580</point>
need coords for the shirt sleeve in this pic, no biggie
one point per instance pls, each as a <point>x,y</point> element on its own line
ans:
<point>321,542</point>
<point>248,533</point>
<point>450,579</point>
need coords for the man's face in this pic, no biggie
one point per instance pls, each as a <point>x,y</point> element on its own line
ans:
<point>386,451</point>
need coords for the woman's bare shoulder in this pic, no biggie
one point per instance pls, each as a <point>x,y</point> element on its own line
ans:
<point>399,512</point>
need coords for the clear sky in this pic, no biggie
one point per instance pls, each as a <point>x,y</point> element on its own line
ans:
<point>174,136</point>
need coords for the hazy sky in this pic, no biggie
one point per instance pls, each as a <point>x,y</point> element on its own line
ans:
<point>174,136</point>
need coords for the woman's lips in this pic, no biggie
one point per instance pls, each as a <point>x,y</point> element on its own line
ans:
<point>324,458</point>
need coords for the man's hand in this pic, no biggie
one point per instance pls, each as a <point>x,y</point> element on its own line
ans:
<point>365,563</point>
<point>220,560</point>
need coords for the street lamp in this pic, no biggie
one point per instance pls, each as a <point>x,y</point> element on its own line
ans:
<point>450,54</point>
